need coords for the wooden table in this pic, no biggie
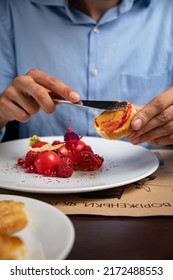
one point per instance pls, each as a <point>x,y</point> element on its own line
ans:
<point>120,238</point>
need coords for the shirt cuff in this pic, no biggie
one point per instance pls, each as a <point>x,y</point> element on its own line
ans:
<point>2,133</point>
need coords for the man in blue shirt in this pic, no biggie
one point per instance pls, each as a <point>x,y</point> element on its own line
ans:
<point>89,49</point>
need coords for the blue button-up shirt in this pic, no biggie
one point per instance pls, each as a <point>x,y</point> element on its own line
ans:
<point>127,54</point>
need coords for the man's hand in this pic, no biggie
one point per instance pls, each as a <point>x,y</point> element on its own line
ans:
<point>29,93</point>
<point>154,122</point>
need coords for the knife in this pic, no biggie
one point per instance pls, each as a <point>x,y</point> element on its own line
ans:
<point>96,104</point>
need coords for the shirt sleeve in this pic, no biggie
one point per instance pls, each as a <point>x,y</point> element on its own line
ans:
<point>7,58</point>
<point>7,53</point>
<point>2,133</point>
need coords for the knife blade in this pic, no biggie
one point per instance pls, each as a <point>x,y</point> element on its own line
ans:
<point>96,104</point>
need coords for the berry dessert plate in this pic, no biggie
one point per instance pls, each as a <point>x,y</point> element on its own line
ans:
<point>123,164</point>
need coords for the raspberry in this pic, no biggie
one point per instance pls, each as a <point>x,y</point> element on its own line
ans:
<point>29,158</point>
<point>65,168</point>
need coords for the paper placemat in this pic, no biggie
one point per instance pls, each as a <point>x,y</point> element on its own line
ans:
<point>152,196</point>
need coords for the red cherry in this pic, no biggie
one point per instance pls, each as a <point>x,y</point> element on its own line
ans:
<point>21,162</point>
<point>79,146</point>
<point>30,169</point>
<point>65,151</point>
<point>47,160</point>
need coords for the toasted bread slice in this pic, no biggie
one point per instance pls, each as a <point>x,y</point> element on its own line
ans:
<point>12,248</point>
<point>13,216</point>
<point>114,125</point>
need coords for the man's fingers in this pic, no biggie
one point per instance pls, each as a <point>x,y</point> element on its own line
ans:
<point>161,131</point>
<point>11,111</point>
<point>27,88</point>
<point>164,140</point>
<point>30,92</point>
<point>152,109</point>
<point>161,119</point>
<point>55,85</point>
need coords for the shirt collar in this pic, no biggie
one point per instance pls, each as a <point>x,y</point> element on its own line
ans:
<point>64,2</point>
<point>123,7</point>
<point>51,2</point>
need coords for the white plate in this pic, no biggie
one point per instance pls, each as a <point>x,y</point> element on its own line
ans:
<point>124,163</point>
<point>49,233</point>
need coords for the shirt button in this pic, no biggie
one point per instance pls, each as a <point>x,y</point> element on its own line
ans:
<point>94,113</point>
<point>96,29</point>
<point>95,71</point>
